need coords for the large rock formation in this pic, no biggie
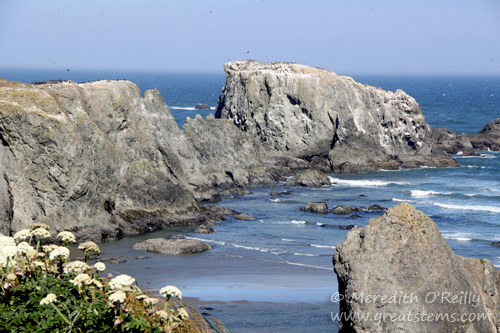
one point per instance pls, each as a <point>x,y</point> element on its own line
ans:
<point>488,138</point>
<point>400,272</point>
<point>94,158</point>
<point>335,122</point>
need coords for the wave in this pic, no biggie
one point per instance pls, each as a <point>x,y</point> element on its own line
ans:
<point>307,265</point>
<point>493,209</point>
<point>298,222</point>
<point>182,108</point>
<point>363,183</point>
<point>419,193</point>
<point>306,254</point>
<point>324,246</point>
<point>275,200</point>
<point>289,240</point>
<point>402,200</point>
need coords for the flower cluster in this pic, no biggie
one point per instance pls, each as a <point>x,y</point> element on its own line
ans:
<point>170,291</point>
<point>59,252</point>
<point>40,225</point>
<point>121,281</point>
<point>67,237</point>
<point>50,298</point>
<point>99,266</point>
<point>88,247</point>
<point>75,267</point>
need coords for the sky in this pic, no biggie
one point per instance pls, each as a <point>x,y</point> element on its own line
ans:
<point>425,37</point>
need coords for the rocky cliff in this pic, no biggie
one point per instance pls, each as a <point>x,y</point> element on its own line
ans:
<point>400,271</point>
<point>488,138</point>
<point>338,124</point>
<point>95,158</point>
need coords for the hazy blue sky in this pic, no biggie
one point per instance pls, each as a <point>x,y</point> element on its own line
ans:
<point>392,36</point>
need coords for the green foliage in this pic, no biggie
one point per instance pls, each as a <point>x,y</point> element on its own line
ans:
<point>41,291</point>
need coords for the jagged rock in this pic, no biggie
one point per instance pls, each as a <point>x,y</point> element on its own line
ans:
<point>315,207</point>
<point>496,244</point>
<point>222,210</point>
<point>376,208</point>
<point>309,178</point>
<point>451,142</point>
<point>342,210</point>
<point>488,138</point>
<point>172,246</point>
<point>204,229</point>
<point>244,217</point>
<point>332,121</point>
<point>403,255</point>
<point>274,193</point>
<point>355,216</point>
<point>236,191</point>
<point>346,227</point>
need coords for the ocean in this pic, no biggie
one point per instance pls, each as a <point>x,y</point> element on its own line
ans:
<point>275,273</point>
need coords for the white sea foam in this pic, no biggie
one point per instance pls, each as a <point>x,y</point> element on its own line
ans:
<point>400,200</point>
<point>306,265</point>
<point>305,254</point>
<point>493,209</point>
<point>275,200</point>
<point>298,222</point>
<point>363,183</point>
<point>182,108</point>
<point>324,246</point>
<point>419,193</point>
<point>288,240</point>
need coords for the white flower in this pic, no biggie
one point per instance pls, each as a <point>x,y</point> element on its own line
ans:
<point>117,296</point>
<point>11,276</point>
<point>168,291</point>
<point>3,261</point>
<point>60,252</point>
<point>121,281</point>
<point>75,267</point>
<point>41,233</point>
<point>182,313</point>
<point>151,300</point>
<point>162,314</point>
<point>81,279</point>
<point>96,283</point>
<point>39,225</point>
<point>24,247</point>
<point>49,299</point>
<point>22,235</point>
<point>9,251</point>
<point>99,266</point>
<point>89,247</point>
<point>67,237</point>
<point>4,241</point>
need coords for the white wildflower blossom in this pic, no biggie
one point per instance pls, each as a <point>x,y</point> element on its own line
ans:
<point>3,261</point>
<point>99,266</point>
<point>22,235</point>
<point>89,247</point>
<point>11,276</point>
<point>38,264</point>
<point>171,290</point>
<point>49,247</point>
<point>150,300</point>
<point>75,267</point>
<point>117,296</point>
<point>10,251</point>
<point>6,241</point>
<point>39,225</point>
<point>121,281</point>
<point>182,313</point>
<point>50,298</point>
<point>60,252</point>
<point>162,314</point>
<point>67,237</point>
<point>96,283</point>
<point>24,247</point>
<point>41,233</point>
<point>81,279</point>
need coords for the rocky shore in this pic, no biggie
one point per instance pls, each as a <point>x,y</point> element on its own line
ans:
<point>101,160</point>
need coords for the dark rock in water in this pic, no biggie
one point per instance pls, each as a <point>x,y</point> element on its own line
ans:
<point>315,207</point>
<point>342,210</point>
<point>400,264</point>
<point>202,107</point>
<point>222,210</point>
<point>346,227</point>
<point>235,191</point>
<point>142,257</point>
<point>310,178</point>
<point>274,193</point>
<point>359,209</point>
<point>376,208</point>
<point>172,246</point>
<point>244,217</point>
<point>451,142</point>
<point>355,216</point>
<point>362,196</point>
<point>204,229</point>
<point>488,138</point>
<point>495,244</point>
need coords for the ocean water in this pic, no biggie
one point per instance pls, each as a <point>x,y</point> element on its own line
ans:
<point>284,255</point>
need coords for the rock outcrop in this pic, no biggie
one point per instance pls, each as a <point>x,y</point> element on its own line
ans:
<point>172,246</point>
<point>488,138</point>
<point>315,207</point>
<point>309,178</point>
<point>451,142</point>
<point>336,123</point>
<point>400,271</point>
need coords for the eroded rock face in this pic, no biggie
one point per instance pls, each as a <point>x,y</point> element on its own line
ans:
<point>488,138</point>
<point>403,255</point>
<point>75,155</point>
<point>335,122</point>
<point>309,178</point>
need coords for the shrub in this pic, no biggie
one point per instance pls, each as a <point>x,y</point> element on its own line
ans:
<point>42,291</point>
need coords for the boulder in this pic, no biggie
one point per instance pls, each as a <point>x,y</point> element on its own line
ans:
<point>376,208</point>
<point>332,121</point>
<point>235,191</point>
<point>202,107</point>
<point>274,193</point>
<point>244,217</point>
<point>346,227</point>
<point>315,207</point>
<point>451,142</point>
<point>342,210</point>
<point>204,229</point>
<point>488,138</point>
<point>495,244</point>
<point>172,246</point>
<point>222,210</point>
<point>309,178</point>
<point>400,269</point>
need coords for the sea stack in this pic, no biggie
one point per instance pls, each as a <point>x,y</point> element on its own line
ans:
<point>401,272</point>
<point>333,121</point>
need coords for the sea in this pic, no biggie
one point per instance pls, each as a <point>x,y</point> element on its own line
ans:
<point>274,273</point>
